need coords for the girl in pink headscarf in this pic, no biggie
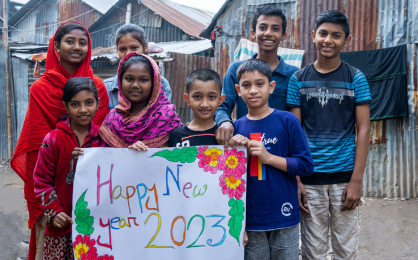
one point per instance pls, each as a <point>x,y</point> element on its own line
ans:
<point>144,117</point>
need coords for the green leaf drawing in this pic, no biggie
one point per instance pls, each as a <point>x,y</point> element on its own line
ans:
<point>82,217</point>
<point>183,155</point>
<point>237,216</point>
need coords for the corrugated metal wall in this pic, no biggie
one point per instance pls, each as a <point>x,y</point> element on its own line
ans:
<point>22,71</point>
<point>4,143</point>
<point>40,23</point>
<point>156,28</point>
<point>176,73</point>
<point>392,167</point>
<point>362,16</point>
<point>19,100</point>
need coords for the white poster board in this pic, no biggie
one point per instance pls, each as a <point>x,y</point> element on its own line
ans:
<point>166,203</point>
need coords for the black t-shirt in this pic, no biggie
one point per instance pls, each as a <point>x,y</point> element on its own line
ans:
<point>184,137</point>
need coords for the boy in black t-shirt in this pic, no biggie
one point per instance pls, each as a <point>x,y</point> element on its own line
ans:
<point>204,96</point>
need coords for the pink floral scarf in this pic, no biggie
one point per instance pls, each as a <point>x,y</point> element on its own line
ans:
<point>152,126</point>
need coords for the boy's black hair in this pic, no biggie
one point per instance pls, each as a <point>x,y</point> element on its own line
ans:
<point>134,30</point>
<point>333,16</point>
<point>269,10</point>
<point>254,65</point>
<point>77,84</point>
<point>137,59</point>
<point>67,28</point>
<point>203,75</point>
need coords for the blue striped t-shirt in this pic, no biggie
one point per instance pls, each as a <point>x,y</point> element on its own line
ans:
<point>327,103</point>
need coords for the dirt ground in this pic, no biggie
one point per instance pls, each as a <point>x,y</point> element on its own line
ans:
<point>389,228</point>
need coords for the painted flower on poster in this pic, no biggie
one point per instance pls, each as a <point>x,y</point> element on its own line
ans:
<point>105,257</point>
<point>208,158</point>
<point>232,186</point>
<point>84,248</point>
<point>233,162</point>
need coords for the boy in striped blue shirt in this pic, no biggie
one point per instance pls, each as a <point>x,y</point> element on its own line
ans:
<point>330,98</point>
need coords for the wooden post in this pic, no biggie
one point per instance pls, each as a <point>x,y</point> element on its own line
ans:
<point>8,96</point>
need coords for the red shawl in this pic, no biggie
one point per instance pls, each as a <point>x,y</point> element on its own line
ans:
<point>45,107</point>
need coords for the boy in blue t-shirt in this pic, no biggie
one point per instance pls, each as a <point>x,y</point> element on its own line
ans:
<point>268,30</point>
<point>330,97</point>
<point>279,152</point>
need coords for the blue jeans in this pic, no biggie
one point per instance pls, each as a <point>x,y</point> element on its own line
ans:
<point>280,244</point>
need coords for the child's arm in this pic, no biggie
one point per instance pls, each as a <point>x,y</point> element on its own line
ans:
<point>245,241</point>
<point>76,153</point>
<point>299,162</point>
<point>303,196</point>
<point>139,146</point>
<point>238,140</point>
<point>61,220</point>
<point>257,148</point>
<point>223,114</point>
<point>44,181</point>
<point>293,103</point>
<point>352,193</point>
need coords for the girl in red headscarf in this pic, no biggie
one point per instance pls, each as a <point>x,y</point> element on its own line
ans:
<point>69,56</point>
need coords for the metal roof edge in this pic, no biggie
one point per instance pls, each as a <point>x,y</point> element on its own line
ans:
<point>152,8</point>
<point>206,32</point>
<point>173,21</point>
<point>23,11</point>
<point>84,2</point>
<point>106,15</point>
<point>188,6</point>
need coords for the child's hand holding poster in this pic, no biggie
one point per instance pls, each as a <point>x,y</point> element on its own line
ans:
<point>186,203</point>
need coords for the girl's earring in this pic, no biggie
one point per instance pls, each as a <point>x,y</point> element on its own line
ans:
<point>58,51</point>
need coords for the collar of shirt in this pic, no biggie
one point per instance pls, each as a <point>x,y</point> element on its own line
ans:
<point>115,83</point>
<point>280,69</point>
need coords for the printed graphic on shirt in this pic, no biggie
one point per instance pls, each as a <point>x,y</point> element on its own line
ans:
<point>257,169</point>
<point>287,209</point>
<point>183,144</point>
<point>323,94</point>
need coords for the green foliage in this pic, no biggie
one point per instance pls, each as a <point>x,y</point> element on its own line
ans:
<point>237,216</point>
<point>82,217</point>
<point>183,155</point>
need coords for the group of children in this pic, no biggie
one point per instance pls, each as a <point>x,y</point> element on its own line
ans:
<point>310,158</point>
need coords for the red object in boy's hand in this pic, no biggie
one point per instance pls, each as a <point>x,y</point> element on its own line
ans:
<point>254,159</point>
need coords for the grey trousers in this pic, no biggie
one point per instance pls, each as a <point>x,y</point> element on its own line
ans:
<point>280,244</point>
<point>324,203</point>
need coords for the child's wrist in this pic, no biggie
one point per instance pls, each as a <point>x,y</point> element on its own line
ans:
<point>49,215</point>
<point>356,180</point>
<point>269,159</point>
